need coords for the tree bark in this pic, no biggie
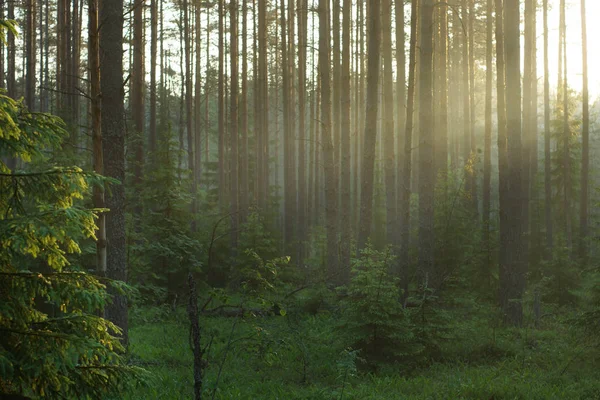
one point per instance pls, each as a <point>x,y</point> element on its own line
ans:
<point>113,147</point>
<point>512,276</point>
<point>585,143</point>
<point>370,135</point>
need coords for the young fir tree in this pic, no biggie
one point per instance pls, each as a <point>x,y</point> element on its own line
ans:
<point>53,343</point>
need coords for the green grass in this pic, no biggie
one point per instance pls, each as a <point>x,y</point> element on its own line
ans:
<point>298,357</point>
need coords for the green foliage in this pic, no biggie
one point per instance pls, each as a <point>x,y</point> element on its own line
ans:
<point>373,318</point>
<point>52,342</point>
<point>163,249</point>
<point>561,277</point>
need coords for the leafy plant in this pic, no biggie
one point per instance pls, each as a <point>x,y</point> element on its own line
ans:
<point>53,343</point>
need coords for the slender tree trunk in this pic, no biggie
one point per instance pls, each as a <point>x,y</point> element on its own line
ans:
<point>30,49</point>
<point>262,150</point>
<point>326,139</point>
<point>426,149</point>
<point>153,98</point>
<point>568,187</point>
<point>137,93</point>
<point>487,148</point>
<point>512,277</point>
<point>466,93</point>
<point>388,134</point>
<point>441,151</point>
<point>585,145</point>
<point>405,188</point>
<point>526,113</point>
<point>302,49</point>
<point>345,95</point>
<point>243,111</point>
<point>370,135</point>
<point>221,107</point>
<point>547,136</point>
<point>234,135</point>
<point>113,147</point>
<point>94,77</point>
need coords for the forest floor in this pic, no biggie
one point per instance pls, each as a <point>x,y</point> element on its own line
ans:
<point>299,356</point>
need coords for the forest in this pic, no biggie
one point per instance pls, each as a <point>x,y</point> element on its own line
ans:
<point>299,199</point>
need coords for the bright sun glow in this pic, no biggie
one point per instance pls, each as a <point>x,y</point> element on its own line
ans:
<point>574,59</point>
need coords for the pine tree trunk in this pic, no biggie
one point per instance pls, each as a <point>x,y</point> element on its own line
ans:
<point>113,147</point>
<point>585,144</point>
<point>221,108</point>
<point>426,148</point>
<point>243,109</point>
<point>512,278</point>
<point>547,139</point>
<point>487,148</point>
<point>98,160</point>
<point>405,188</point>
<point>331,194</point>
<point>137,93</point>
<point>345,95</point>
<point>302,49</point>
<point>388,134</point>
<point>153,51</point>
<point>233,122</point>
<point>30,54</point>
<point>370,135</point>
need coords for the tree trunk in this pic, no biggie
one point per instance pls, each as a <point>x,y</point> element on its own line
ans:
<point>345,95</point>
<point>302,48</point>
<point>487,148</point>
<point>113,147</point>
<point>426,140</point>
<point>153,51</point>
<point>585,144</point>
<point>512,276</point>
<point>137,94</point>
<point>405,187</point>
<point>243,148</point>
<point>370,135</point>
<point>94,77</point>
<point>547,137</point>
<point>233,123</point>
<point>388,134</point>
<point>326,140</point>
<point>30,54</point>
<point>221,107</point>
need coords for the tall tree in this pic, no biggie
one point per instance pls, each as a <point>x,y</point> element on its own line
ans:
<point>441,130</point>
<point>566,132</point>
<point>388,134</point>
<point>466,112</point>
<point>406,170</point>
<point>243,109</point>
<point>326,139</point>
<point>302,186</point>
<point>96,111</point>
<point>113,147</point>
<point>487,147</point>
<point>585,143</point>
<point>138,85</point>
<point>30,45</point>
<point>221,106</point>
<point>262,131</point>
<point>153,51</point>
<point>547,134</point>
<point>512,272</point>
<point>346,205</point>
<point>233,123</point>
<point>370,135</point>
<point>426,149</point>
<point>400,105</point>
